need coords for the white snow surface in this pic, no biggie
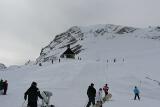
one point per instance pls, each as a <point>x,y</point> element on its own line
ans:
<point>69,79</point>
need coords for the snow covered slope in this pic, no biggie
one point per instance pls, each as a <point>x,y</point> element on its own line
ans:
<point>69,81</point>
<point>103,38</point>
<point>137,55</point>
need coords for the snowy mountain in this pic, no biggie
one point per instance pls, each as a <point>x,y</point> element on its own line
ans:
<point>2,66</point>
<point>123,60</point>
<point>83,39</point>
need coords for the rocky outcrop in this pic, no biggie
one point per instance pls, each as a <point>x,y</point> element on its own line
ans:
<point>2,66</point>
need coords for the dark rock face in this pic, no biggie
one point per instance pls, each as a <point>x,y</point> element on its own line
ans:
<point>2,66</point>
<point>126,30</point>
<point>60,42</point>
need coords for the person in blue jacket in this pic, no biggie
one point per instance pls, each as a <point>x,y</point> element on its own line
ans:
<point>136,92</point>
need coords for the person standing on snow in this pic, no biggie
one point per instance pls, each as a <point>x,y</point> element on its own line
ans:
<point>114,60</point>
<point>105,89</point>
<point>5,87</point>
<point>52,61</point>
<point>136,93</point>
<point>91,93</point>
<point>33,93</point>
<point>99,97</point>
<point>1,86</point>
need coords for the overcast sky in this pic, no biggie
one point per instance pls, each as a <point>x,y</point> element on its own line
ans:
<point>28,25</point>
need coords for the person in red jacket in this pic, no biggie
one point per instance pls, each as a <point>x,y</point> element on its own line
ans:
<point>5,87</point>
<point>105,89</point>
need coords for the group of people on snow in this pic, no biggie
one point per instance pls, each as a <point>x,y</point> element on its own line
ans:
<point>3,87</point>
<point>33,93</point>
<point>93,95</point>
<point>98,96</point>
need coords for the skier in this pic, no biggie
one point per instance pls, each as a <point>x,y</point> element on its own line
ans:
<point>107,60</point>
<point>99,97</point>
<point>114,60</point>
<point>136,92</point>
<point>33,93</point>
<point>40,64</point>
<point>105,89</point>
<point>91,92</point>
<point>5,87</point>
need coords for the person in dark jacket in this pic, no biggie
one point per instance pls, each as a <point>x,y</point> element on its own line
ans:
<point>1,84</point>
<point>33,93</point>
<point>5,87</point>
<point>1,87</point>
<point>91,93</point>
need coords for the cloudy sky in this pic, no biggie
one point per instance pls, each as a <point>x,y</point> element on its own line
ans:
<point>28,25</point>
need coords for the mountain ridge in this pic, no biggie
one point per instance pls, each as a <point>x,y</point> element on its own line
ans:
<point>76,36</point>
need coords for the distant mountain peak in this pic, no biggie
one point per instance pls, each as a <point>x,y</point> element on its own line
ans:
<point>78,37</point>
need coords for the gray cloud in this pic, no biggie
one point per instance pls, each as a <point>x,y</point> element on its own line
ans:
<point>28,25</point>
